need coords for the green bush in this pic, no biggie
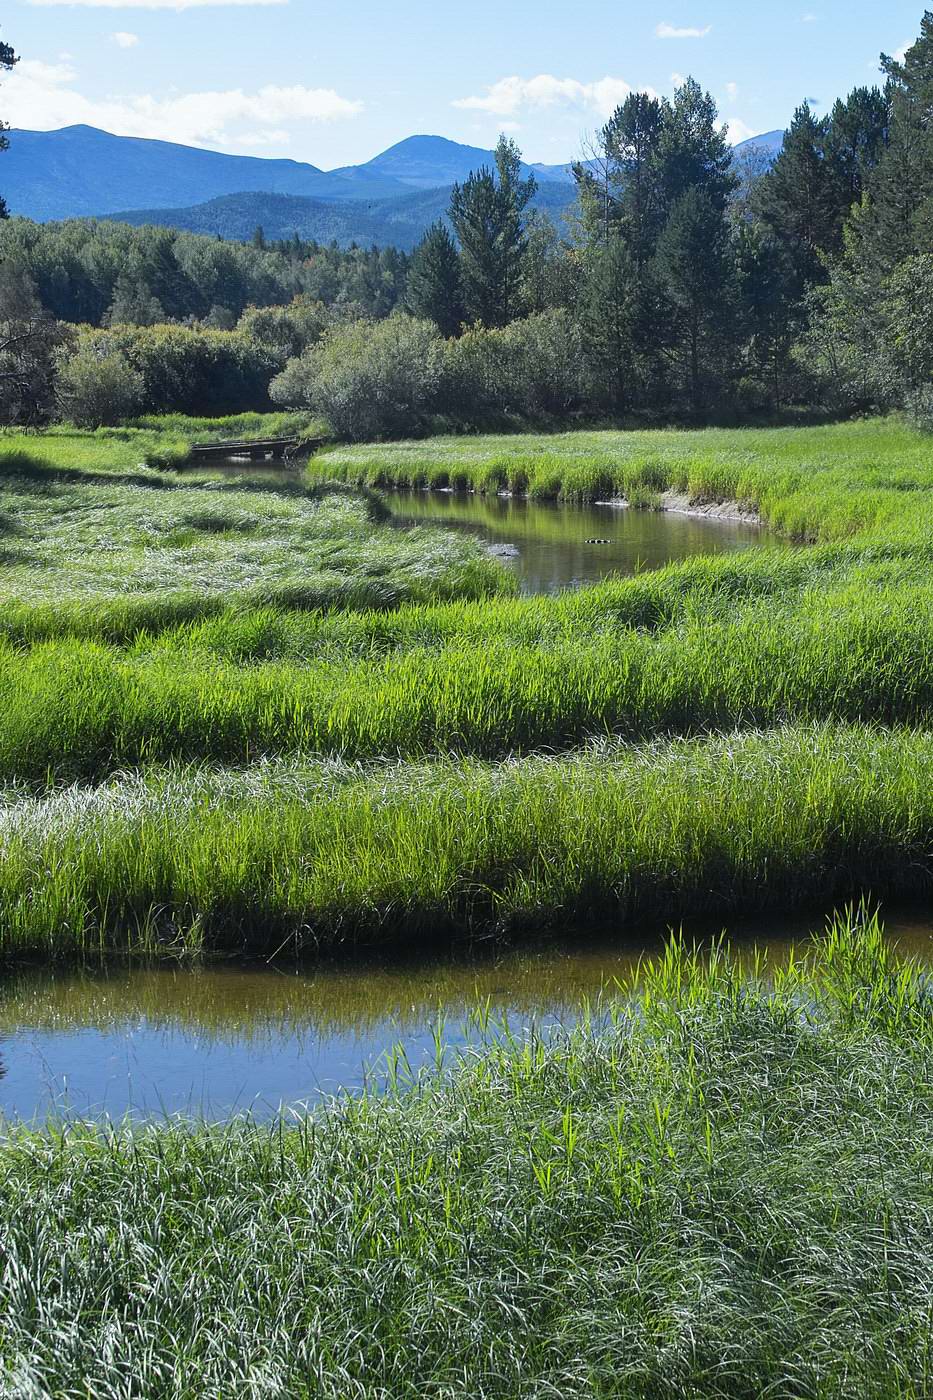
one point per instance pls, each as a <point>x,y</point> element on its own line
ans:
<point>198,371</point>
<point>368,378</point>
<point>98,387</point>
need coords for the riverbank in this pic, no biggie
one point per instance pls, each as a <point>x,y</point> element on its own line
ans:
<point>282,654</point>
<point>705,1192</point>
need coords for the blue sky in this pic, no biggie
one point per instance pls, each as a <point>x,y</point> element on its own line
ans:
<point>336,83</point>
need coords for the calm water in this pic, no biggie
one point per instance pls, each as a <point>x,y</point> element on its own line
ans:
<point>222,1041</point>
<point>551,538</point>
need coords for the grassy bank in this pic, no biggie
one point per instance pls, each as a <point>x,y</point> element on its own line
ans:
<point>89,549</point>
<point>251,631</point>
<point>812,483</point>
<point>159,441</point>
<point>301,856</point>
<point>723,1193</point>
<point>368,686</point>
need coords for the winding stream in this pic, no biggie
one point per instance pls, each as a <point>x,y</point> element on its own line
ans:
<point>226,1040</point>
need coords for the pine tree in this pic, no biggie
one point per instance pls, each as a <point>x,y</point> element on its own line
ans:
<point>434,289</point>
<point>693,153</point>
<point>798,200</point>
<point>7,60</point>
<point>854,144</point>
<point>900,191</point>
<point>694,270</point>
<point>486,212</point>
<point>608,312</point>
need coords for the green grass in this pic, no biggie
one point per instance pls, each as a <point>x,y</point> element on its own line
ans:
<point>92,550</point>
<point>717,1186</point>
<point>237,686</point>
<point>156,441</point>
<point>812,483</point>
<point>302,855</point>
<point>228,625</point>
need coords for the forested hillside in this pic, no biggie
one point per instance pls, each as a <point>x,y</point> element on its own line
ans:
<point>690,283</point>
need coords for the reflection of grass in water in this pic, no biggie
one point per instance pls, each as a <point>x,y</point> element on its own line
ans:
<point>724,1195</point>
<point>244,1005</point>
<point>813,483</point>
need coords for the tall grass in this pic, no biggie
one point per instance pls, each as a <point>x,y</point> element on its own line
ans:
<point>104,549</point>
<point>158,440</point>
<point>304,856</point>
<point>77,708</point>
<point>813,483</point>
<point>718,1188</point>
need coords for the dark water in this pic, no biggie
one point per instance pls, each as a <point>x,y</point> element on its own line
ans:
<point>551,537</point>
<point>222,1041</point>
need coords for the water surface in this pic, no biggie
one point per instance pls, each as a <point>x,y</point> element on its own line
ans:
<point>219,1041</point>
<point>552,537</point>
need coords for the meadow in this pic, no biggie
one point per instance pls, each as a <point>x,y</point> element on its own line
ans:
<point>255,718</point>
<point>715,1185</point>
<point>368,737</point>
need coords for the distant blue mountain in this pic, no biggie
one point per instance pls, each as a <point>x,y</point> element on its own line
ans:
<point>770,142</point>
<point>398,222</point>
<point>427,162</point>
<point>79,171</point>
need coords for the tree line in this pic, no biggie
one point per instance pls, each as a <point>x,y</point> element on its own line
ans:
<point>691,286</point>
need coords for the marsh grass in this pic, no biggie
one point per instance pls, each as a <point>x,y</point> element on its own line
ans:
<point>813,484</point>
<point>714,1186</point>
<point>83,545</point>
<point>306,856</point>
<point>409,684</point>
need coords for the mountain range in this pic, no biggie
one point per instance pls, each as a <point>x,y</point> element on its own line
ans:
<point>81,171</point>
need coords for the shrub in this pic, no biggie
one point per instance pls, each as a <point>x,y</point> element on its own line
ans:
<point>369,378</point>
<point>531,368</point>
<point>285,331</point>
<point>98,387</point>
<point>195,371</point>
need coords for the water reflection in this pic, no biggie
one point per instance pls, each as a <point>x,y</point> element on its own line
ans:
<point>553,538</point>
<point>223,1040</point>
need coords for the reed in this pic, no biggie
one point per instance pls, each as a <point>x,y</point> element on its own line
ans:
<point>291,857</point>
<point>711,1187</point>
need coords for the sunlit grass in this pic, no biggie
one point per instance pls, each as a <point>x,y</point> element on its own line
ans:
<point>307,855</point>
<point>813,483</point>
<point>717,1189</point>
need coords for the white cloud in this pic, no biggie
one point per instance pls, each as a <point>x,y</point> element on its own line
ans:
<point>41,96</point>
<point>510,96</point>
<point>671,31</point>
<point>732,91</point>
<point>808,19</point>
<point>678,79</point>
<point>123,40</point>
<point>900,54</point>
<point>740,131</point>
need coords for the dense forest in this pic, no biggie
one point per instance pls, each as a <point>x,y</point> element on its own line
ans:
<point>689,287</point>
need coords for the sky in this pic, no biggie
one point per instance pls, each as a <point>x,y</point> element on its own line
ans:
<point>334,83</point>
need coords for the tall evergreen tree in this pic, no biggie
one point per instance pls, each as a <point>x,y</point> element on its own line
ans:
<point>7,60</point>
<point>899,219</point>
<point>487,215</point>
<point>694,269</point>
<point>855,142</point>
<point>798,200</point>
<point>608,314</point>
<point>618,186</point>
<point>693,153</point>
<point>434,289</point>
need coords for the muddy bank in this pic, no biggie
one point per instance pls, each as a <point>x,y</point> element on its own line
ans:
<point>674,503</point>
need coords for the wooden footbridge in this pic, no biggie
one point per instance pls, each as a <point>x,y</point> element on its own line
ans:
<point>256,450</point>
